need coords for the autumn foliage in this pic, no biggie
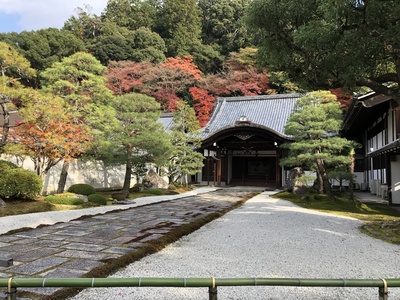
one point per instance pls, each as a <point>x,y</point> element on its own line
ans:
<point>343,98</point>
<point>179,79</point>
<point>203,104</point>
<point>49,135</point>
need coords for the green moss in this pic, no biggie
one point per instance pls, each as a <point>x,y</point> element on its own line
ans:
<point>156,192</point>
<point>64,199</point>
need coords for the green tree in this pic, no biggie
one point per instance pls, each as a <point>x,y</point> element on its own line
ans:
<point>111,48</point>
<point>324,44</point>
<point>44,47</point>
<point>314,126</point>
<point>185,139</point>
<point>139,138</point>
<point>13,68</point>
<point>122,44</point>
<point>147,45</point>
<point>61,44</point>
<point>132,14</point>
<point>78,80</point>
<point>180,26</point>
<point>223,24</point>
<point>85,25</point>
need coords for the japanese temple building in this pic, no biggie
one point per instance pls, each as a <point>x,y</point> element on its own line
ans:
<point>241,142</point>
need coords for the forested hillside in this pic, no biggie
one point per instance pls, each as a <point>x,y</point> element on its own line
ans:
<point>175,50</point>
<point>194,51</point>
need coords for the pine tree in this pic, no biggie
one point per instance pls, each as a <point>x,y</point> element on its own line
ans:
<point>314,126</point>
<point>78,80</point>
<point>139,138</point>
<point>185,160</point>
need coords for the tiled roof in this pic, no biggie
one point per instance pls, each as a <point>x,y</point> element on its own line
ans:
<point>166,120</point>
<point>270,111</point>
<point>14,116</point>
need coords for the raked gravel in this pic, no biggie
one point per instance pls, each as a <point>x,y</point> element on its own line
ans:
<point>266,237</point>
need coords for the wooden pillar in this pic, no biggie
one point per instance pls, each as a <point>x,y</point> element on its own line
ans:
<point>218,167</point>
<point>389,176</point>
<point>278,174</point>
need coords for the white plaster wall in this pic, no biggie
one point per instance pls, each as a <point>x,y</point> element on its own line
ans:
<point>395,173</point>
<point>93,173</point>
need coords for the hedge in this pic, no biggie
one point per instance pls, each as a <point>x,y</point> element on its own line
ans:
<point>18,182</point>
<point>97,198</point>
<point>82,189</point>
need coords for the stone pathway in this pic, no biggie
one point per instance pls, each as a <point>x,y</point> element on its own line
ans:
<point>74,248</point>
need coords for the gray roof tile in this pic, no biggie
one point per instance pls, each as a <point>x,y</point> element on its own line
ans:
<point>166,119</point>
<point>271,111</point>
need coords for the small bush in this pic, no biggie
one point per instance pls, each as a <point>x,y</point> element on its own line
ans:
<point>64,199</point>
<point>156,192</point>
<point>6,165</point>
<point>172,187</point>
<point>97,198</point>
<point>21,183</point>
<point>82,188</point>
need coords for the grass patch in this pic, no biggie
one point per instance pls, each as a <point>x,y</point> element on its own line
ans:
<point>64,199</point>
<point>18,207</point>
<point>381,221</point>
<point>22,206</point>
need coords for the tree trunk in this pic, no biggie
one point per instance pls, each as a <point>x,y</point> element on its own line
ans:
<point>63,177</point>
<point>320,183</point>
<point>328,188</point>
<point>128,169</point>
<point>128,176</point>
<point>6,127</point>
<point>352,174</point>
<point>322,173</point>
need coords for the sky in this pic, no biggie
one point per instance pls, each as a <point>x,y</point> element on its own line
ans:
<point>20,15</point>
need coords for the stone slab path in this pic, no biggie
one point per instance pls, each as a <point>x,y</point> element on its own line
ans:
<point>72,249</point>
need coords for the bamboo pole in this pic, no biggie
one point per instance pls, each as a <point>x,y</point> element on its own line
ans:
<point>194,282</point>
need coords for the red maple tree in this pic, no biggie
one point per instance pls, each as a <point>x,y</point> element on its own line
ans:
<point>184,64</point>
<point>342,97</point>
<point>171,81</point>
<point>126,76</point>
<point>203,104</point>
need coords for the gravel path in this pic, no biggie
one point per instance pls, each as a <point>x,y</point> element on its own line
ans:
<point>266,237</point>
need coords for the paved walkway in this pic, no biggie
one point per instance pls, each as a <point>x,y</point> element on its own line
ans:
<point>74,247</point>
<point>48,218</point>
<point>369,198</point>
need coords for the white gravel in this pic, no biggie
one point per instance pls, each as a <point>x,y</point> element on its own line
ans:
<point>266,237</point>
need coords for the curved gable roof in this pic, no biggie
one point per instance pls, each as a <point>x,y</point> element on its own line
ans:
<point>266,111</point>
<point>167,120</point>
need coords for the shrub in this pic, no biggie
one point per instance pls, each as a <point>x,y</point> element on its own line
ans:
<point>82,188</point>
<point>18,182</point>
<point>6,165</point>
<point>65,199</point>
<point>156,192</point>
<point>172,187</point>
<point>97,198</point>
